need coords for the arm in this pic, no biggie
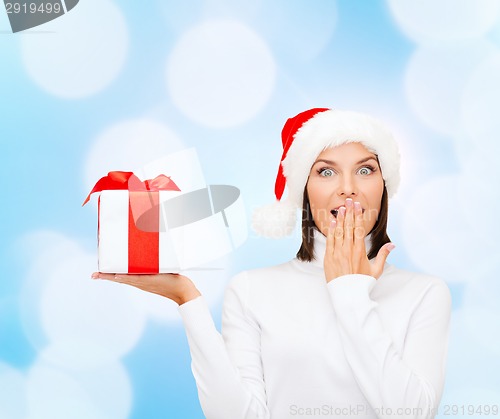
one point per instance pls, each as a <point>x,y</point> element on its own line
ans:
<point>412,380</point>
<point>227,368</point>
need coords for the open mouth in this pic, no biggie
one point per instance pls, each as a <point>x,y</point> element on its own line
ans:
<point>335,212</point>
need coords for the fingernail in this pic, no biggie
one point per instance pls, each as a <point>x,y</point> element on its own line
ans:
<point>357,205</point>
<point>342,210</point>
<point>333,223</point>
<point>348,202</point>
<point>95,275</point>
<point>390,246</point>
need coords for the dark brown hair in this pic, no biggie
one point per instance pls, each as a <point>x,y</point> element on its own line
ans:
<point>378,233</point>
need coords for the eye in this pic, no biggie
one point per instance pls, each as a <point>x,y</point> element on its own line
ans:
<point>325,172</point>
<point>366,170</point>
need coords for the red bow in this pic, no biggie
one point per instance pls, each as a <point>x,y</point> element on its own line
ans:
<point>127,180</point>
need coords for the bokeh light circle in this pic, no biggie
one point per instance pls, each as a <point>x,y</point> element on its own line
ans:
<point>78,55</point>
<point>13,394</point>
<point>442,237</point>
<point>220,73</point>
<point>428,21</point>
<point>75,306</point>
<point>435,79</point>
<point>481,310</point>
<point>480,104</point>
<point>128,146</point>
<point>99,393</point>
<point>298,30</point>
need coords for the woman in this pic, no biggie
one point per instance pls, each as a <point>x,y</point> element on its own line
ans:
<point>335,332</point>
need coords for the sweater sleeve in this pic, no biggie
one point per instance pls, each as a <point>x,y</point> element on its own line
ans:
<point>409,381</point>
<point>227,368</point>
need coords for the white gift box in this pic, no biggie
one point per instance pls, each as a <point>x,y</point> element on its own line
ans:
<point>169,231</point>
<point>193,229</point>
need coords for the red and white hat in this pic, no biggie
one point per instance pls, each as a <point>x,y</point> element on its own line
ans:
<point>304,137</point>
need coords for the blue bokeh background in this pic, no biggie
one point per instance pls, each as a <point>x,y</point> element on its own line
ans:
<point>388,58</point>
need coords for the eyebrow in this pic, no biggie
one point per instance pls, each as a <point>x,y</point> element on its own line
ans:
<point>332,163</point>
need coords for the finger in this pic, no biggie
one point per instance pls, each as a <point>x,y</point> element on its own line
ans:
<point>349,223</point>
<point>121,278</point>
<point>100,275</point>
<point>378,265</point>
<point>359,228</point>
<point>339,228</point>
<point>330,237</point>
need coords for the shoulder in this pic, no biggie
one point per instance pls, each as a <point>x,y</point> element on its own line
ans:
<point>259,282</point>
<point>250,287</point>
<point>261,276</point>
<point>402,276</point>
<point>414,284</point>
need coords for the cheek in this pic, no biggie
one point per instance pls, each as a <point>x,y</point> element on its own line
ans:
<point>374,193</point>
<point>316,195</point>
<point>317,203</point>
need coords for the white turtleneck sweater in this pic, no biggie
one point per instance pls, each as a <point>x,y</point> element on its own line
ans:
<point>295,346</point>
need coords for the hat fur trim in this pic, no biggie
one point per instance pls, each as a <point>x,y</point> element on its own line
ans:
<point>276,220</point>
<point>332,128</point>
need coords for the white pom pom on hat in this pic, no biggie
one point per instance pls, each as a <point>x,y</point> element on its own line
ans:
<point>304,137</point>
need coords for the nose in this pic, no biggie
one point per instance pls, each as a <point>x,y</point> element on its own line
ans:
<point>347,186</point>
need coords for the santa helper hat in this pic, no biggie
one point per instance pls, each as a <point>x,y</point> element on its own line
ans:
<point>304,137</point>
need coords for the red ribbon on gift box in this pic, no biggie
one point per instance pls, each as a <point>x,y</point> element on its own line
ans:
<point>143,246</point>
<point>127,180</point>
